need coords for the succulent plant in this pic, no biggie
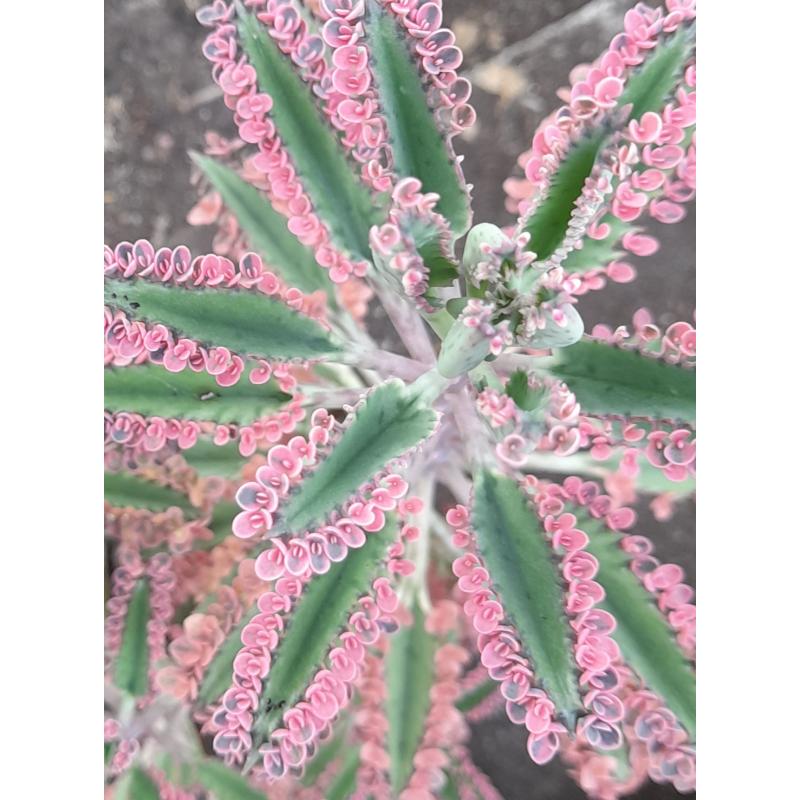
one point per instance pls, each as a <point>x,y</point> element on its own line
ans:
<point>328,555</point>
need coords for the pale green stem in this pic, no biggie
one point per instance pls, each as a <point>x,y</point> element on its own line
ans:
<point>473,434</point>
<point>443,533</point>
<point>388,364</point>
<point>323,397</point>
<point>430,386</point>
<point>340,374</point>
<point>440,322</point>
<point>457,483</point>
<point>407,323</point>
<point>351,331</point>
<point>577,463</point>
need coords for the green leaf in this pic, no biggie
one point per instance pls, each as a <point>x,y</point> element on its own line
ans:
<point>450,790</point>
<point>220,524</point>
<point>442,272</point>
<point>211,459</point>
<point>409,677</point>
<point>151,390</point>
<point>651,86</point>
<point>318,617</point>
<point>474,697</point>
<point>548,225</point>
<point>179,770</point>
<point>344,785</point>
<point>133,659</point>
<point>224,783</point>
<point>521,563</point>
<point>219,675</point>
<point>596,253</point>
<point>522,393</point>
<point>647,643</point>
<point>647,89</point>
<point>136,784</point>
<point>650,480</point>
<point>612,380</point>
<point>248,323</point>
<point>324,756</point>
<point>461,784</point>
<point>123,490</point>
<point>392,420</point>
<point>265,228</point>
<point>340,199</point>
<point>418,148</point>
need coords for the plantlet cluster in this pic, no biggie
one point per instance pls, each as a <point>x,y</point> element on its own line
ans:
<point>325,558</point>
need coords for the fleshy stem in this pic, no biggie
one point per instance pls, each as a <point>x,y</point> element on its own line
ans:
<point>330,398</point>
<point>387,363</point>
<point>440,322</point>
<point>472,434</point>
<point>407,324</point>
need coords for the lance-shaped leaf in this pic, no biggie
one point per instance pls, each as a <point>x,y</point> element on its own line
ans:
<point>150,390</point>
<point>450,791</point>
<point>223,783</point>
<point>646,89</point>
<point>474,697</point>
<point>219,675</point>
<point>548,225</point>
<point>596,253</point>
<point>331,750</point>
<point>647,643</point>
<point>409,677</point>
<point>650,479</point>
<point>418,149</point>
<point>342,202</point>
<point>243,321</point>
<point>392,420</point>
<point>136,784</point>
<point>651,85</point>
<point>460,781</point>
<point>265,228</point>
<point>526,397</point>
<point>219,524</point>
<point>344,783</point>
<point>123,490</point>
<point>319,615</point>
<point>133,658</point>
<point>212,459</point>
<point>511,542</point>
<point>613,380</point>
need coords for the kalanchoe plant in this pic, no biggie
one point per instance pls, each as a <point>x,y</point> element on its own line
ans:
<point>325,558</point>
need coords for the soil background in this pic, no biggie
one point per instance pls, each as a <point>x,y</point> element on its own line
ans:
<point>160,100</point>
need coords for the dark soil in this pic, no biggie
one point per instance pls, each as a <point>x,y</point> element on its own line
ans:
<point>160,100</point>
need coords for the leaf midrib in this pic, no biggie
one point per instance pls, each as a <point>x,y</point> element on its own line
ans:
<point>550,652</point>
<point>333,172</point>
<point>657,659</point>
<point>315,487</point>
